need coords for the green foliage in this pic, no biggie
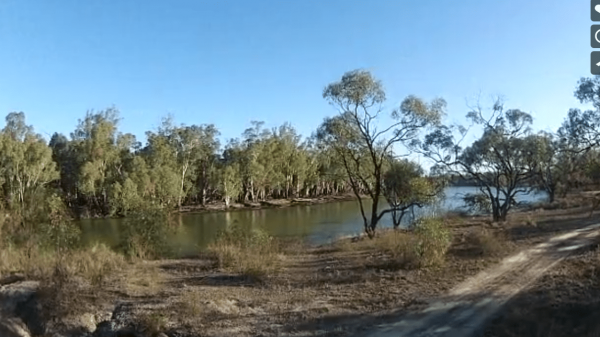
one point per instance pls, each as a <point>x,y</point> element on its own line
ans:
<point>26,163</point>
<point>230,183</point>
<point>502,162</point>
<point>359,144</point>
<point>145,233</point>
<point>478,202</point>
<point>404,186</point>
<point>102,171</point>
<point>125,199</point>
<point>244,238</point>
<point>434,240</point>
<point>60,232</point>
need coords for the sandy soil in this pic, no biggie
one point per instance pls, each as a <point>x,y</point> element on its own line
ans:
<point>468,306</point>
<point>563,302</point>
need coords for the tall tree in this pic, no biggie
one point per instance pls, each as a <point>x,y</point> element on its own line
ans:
<point>549,168</point>
<point>502,161</point>
<point>359,144</point>
<point>99,162</point>
<point>25,159</point>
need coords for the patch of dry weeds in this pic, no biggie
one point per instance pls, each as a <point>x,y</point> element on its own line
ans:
<point>254,254</point>
<point>143,279</point>
<point>490,243</point>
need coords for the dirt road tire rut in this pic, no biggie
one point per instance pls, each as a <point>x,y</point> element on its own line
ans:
<point>468,306</point>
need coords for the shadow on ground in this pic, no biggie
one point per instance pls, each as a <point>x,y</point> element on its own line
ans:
<point>545,226</point>
<point>563,302</point>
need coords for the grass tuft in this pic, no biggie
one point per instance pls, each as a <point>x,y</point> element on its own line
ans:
<point>253,253</point>
<point>489,244</point>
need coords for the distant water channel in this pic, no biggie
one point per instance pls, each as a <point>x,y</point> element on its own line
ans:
<point>319,223</point>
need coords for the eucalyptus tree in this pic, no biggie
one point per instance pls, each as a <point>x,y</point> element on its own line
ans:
<point>98,159</point>
<point>26,164</point>
<point>229,176</point>
<point>502,161</point>
<point>406,187</point>
<point>206,160</point>
<point>65,156</point>
<point>288,159</point>
<point>186,142</point>
<point>308,178</point>
<point>579,134</point>
<point>356,140</point>
<point>160,157</point>
<point>255,167</point>
<point>331,174</point>
<point>547,156</point>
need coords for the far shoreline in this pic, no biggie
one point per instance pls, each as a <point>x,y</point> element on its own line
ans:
<point>220,206</point>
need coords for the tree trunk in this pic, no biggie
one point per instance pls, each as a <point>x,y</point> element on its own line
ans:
<point>251,191</point>
<point>182,184</point>
<point>551,194</point>
<point>370,230</point>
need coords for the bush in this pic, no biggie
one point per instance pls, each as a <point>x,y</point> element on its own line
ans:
<point>59,232</point>
<point>424,246</point>
<point>434,239</point>
<point>28,259</point>
<point>248,252</point>
<point>145,234</point>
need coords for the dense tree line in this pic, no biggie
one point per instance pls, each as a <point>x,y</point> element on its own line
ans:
<point>99,170</point>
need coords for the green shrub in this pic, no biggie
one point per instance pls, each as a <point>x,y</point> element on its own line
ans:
<point>58,231</point>
<point>434,239</point>
<point>145,233</point>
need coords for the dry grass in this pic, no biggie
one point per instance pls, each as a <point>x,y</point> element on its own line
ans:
<point>191,305</point>
<point>399,249</point>
<point>143,279</point>
<point>92,264</point>
<point>489,243</point>
<point>28,260</point>
<point>152,323</point>
<point>531,220</point>
<point>254,254</point>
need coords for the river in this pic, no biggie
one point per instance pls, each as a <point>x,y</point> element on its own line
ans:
<point>318,223</point>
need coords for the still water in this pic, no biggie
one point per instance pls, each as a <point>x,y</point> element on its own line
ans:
<point>318,223</point>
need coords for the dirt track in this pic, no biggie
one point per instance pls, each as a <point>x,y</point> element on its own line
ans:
<point>468,306</point>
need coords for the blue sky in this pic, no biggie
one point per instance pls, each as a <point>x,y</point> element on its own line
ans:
<point>230,62</point>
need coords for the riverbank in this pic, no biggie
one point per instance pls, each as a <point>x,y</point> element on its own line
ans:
<point>273,203</point>
<point>220,206</point>
<point>327,290</point>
